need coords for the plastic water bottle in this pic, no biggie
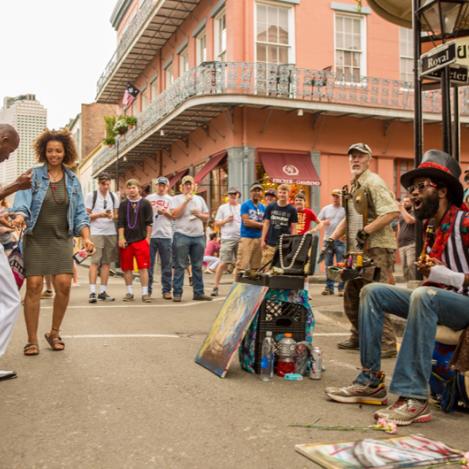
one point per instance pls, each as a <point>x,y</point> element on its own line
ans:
<point>286,355</point>
<point>267,358</point>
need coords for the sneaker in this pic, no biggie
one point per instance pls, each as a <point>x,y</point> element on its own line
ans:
<point>359,394</point>
<point>177,298</point>
<point>128,297</point>
<point>167,296</point>
<point>103,296</point>
<point>406,411</point>
<point>6,374</point>
<point>47,294</point>
<point>146,298</point>
<point>214,291</point>
<point>327,291</point>
<point>201,298</point>
<point>92,298</point>
<point>349,344</point>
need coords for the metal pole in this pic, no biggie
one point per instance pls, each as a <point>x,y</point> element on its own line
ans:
<point>418,124</point>
<point>456,128</point>
<point>418,120</point>
<point>446,110</point>
<point>117,165</point>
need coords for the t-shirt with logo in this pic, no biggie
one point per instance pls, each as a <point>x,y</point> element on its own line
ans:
<point>102,226</point>
<point>280,219</point>
<point>229,230</point>
<point>305,217</point>
<point>255,213</point>
<point>162,225</point>
<point>188,224</point>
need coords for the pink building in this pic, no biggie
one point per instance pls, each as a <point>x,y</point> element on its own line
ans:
<point>237,90</point>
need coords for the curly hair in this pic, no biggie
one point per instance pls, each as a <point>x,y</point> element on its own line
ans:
<point>62,135</point>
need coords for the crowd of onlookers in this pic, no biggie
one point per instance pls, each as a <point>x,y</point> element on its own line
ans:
<point>177,232</point>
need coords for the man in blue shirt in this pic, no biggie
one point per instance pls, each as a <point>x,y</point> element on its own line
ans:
<point>249,247</point>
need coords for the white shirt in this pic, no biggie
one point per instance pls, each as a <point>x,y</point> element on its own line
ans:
<point>334,215</point>
<point>232,229</point>
<point>189,224</point>
<point>102,226</point>
<point>162,225</point>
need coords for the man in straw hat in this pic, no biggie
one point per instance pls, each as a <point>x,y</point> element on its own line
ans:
<point>437,196</point>
<point>376,236</point>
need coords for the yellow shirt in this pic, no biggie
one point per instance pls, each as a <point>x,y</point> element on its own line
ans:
<point>384,202</point>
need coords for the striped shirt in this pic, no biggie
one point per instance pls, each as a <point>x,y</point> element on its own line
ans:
<point>456,252</point>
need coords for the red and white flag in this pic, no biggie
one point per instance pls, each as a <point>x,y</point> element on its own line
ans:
<point>131,92</point>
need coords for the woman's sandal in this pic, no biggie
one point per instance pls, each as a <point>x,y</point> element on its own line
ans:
<point>55,341</point>
<point>31,349</point>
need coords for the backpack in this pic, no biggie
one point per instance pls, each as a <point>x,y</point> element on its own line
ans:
<point>95,197</point>
<point>448,386</point>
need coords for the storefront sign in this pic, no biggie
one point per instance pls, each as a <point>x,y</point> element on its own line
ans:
<point>438,58</point>
<point>290,170</point>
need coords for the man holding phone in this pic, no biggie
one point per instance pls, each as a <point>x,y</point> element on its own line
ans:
<point>102,206</point>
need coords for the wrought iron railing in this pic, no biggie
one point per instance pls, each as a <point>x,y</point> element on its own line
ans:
<point>278,82</point>
<point>127,38</point>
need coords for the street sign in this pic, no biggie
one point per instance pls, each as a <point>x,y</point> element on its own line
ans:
<point>438,58</point>
<point>458,75</point>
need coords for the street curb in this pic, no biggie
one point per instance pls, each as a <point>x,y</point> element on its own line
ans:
<point>397,322</point>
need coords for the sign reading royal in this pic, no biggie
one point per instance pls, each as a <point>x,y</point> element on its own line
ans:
<point>438,58</point>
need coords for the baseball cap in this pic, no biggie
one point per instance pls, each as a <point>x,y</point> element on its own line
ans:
<point>271,192</point>
<point>187,179</point>
<point>361,147</point>
<point>255,185</point>
<point>163,180</point>
<point>233,190</point>
<point>336,192</point>
<point>104,177</point>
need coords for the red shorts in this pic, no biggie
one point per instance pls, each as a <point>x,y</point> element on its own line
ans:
<point>140,250</point>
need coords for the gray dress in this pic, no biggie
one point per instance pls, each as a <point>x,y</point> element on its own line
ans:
<point>48,249</point>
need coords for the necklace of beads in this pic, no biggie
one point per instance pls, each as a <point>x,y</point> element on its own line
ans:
<point>135,210</point>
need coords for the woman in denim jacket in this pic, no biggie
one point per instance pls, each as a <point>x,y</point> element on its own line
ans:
<point>54,213</point>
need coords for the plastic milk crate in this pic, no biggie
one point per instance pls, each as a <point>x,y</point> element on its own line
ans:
<point>279,317</point>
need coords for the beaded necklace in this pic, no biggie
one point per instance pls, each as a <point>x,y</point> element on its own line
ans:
<point>135,210</point>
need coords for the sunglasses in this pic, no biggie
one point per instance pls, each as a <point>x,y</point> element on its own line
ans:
<point>420,186</point>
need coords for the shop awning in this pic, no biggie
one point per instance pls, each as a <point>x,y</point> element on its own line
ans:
<point>290,168</point>
<point>176,178</point>
<point>211,164</point>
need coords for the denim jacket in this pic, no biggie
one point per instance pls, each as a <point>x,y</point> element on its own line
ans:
<point>29,202</point>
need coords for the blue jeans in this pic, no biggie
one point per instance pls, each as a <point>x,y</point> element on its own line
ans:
<point>163,246</point>
<point>338,251</point>
<point>424,308</point>
<point>184,247</point>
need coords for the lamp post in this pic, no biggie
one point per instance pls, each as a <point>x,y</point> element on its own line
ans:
<point>117,165</point>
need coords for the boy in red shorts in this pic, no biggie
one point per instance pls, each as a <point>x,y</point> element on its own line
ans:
<point>134,226</point>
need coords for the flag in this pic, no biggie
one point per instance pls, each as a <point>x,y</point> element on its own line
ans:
<point>131,92</point>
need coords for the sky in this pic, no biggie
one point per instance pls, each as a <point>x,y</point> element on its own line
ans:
<point>55,49</point>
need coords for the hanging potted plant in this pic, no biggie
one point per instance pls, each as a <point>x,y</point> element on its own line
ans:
<point>121,126</point>
<point>131,121</point>
<point>110,137</point>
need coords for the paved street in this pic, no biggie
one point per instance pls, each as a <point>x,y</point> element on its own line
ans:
<point>127,394</point>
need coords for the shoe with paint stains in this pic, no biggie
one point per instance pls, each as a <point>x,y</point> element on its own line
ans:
<point>360,393</point>
<point>406,411</point>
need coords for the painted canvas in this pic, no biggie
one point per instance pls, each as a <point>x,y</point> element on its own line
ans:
<point>392,453</point>
<point>229,327</point>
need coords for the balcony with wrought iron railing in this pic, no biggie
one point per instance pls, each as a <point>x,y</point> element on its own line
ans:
<point>135,39</point>
<point>221,84</point>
